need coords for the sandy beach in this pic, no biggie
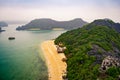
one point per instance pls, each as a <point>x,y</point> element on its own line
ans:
<point>56,67</point>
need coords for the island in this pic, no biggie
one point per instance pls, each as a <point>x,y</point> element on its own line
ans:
<point>49,24</point>
<point>2,24</point>
<point>1,30</point>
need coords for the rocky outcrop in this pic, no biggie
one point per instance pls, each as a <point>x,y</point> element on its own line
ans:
<point>100,53</point>
<point>60,49</point>
<point>108,62</point>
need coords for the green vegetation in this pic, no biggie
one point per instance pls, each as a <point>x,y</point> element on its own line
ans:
<point>113,72</point>
<point>79,42</point>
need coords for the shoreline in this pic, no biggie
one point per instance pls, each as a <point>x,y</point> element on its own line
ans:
<point>56,67</point>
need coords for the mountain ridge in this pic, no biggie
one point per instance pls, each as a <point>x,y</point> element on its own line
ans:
<point>107,22</point>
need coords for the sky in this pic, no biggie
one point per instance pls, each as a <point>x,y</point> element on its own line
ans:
<point>61,10</point>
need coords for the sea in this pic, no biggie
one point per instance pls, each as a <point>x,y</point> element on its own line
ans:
<point>22,58</point>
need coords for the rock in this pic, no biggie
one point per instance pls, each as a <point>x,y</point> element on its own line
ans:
<point>60,49</point>
<point>108,62</point>
<point>11,38</point>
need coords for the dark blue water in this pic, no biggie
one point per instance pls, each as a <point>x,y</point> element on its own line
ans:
<point>22,59</point>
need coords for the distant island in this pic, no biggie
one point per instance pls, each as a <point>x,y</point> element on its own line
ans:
<point>2,24</point>
<point>1,30</point>
<point>93,51</point>
<point>49,24</point>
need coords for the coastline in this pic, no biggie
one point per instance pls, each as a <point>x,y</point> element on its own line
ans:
<point>56,67</point>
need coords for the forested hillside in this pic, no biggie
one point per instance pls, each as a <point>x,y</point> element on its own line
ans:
<point>87,47</point>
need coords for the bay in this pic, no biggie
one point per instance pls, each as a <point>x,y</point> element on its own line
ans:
<point>22,58</point>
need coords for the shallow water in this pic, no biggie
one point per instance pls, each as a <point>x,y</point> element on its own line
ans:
<point>22,59</point>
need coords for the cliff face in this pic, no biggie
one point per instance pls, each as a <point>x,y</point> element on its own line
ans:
<point>49,24</point>
<point>89,47</point>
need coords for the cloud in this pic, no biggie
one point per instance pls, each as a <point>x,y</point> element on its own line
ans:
<point>59,3</point>
<point>61,13</point>
<point>59,9</point>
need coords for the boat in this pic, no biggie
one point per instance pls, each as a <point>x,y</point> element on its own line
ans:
<point>11,38</point>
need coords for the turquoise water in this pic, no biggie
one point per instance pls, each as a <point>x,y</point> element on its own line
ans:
<point>22,59</point>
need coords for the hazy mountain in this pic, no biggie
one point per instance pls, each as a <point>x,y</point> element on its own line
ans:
<point>49,24</point>
<point>93,51</point>
<point>3,24</point>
